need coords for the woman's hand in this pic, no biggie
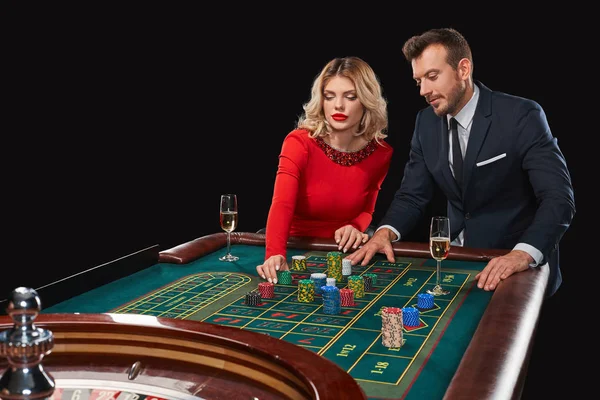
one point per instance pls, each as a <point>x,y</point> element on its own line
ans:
<point>349,237</point>
<point>268,269</point>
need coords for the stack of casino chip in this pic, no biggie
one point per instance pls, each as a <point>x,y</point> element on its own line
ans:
<point>347,296</point>
<point>284,277</point>
<point>253,298</point>
<point>372,276</point>
<point>346,268</point>
<point>357,284</point>
<point>368,283</point>
<point>334,265</point>
<point>298,263</point>
<point>320,279</point>
<point>331,300</point>
<point>330,281</point>
<point>410,316</point>
<point>267,290</point>
<point>424,301</point>
<point>391,327</point>
<point>306,290</point>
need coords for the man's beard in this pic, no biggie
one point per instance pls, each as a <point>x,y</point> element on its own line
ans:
<point>453,99</point>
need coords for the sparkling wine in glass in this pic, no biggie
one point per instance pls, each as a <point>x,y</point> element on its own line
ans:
<point>439,246</point>
<point>229,221</point>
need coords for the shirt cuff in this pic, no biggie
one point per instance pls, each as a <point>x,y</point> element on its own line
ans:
<point>391,228</point>
<point>532,251</point>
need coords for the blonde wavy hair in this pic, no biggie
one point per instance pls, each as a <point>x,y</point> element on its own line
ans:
<point>368,88</point>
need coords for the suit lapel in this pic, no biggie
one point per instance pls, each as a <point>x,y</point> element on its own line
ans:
<point>479,130</point>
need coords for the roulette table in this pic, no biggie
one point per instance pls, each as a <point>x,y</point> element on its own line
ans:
<point>471,344</point>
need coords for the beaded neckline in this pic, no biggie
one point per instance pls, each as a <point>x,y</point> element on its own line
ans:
<point>343,158</point>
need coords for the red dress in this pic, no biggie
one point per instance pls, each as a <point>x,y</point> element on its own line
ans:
<point>319,189</point>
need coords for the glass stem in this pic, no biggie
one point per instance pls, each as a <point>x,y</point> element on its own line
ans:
<point>229,244</point>
<point>439,273</point>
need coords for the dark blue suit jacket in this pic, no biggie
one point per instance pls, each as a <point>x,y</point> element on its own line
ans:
<point>517,187</point>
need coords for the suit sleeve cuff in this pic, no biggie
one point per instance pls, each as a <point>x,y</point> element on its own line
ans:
<point>391,228</point>
<point>532,251</point>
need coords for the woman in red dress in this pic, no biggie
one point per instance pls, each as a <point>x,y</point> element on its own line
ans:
<point>332,165</point>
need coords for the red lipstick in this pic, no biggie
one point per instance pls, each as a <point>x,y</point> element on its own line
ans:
<point>339,117</point>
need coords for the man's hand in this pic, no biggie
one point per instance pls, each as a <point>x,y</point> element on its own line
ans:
<point>349,237</point>
<point>380,242</point>
<point>500,268</point>
<point>268,270</point>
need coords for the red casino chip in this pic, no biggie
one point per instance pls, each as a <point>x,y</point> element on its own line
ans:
<point>347,297</point>
<point>267,290</point>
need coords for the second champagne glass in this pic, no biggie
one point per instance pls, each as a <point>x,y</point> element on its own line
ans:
<point>229,221</point>
<point>439,246</point>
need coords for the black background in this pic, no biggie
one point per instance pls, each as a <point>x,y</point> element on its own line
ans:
<point>124,126</point>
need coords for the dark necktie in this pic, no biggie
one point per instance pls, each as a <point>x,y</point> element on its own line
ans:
<point>457,159</point>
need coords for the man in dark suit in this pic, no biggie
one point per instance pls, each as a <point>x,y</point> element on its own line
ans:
<point>505,179</point>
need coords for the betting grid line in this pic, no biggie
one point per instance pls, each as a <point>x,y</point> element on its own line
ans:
<point>275,304</point>
<point>152,296</point>
<point>194,281</point>
<point>351,321</point>
<point>421,268</point>
<point>395,295</point>
<point>410,298</point>
<point>364,310</point>
<point>212,298</point>
<point>252,319</point>
<point>296,324</point>
<point>302,321</point>
<point>271,308</point>
<point>348,325</point>
<point>415,356</point>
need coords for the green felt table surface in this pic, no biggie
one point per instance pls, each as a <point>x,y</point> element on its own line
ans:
<point>213,291</point>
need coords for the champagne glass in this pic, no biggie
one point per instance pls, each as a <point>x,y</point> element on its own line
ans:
<point>229,221</point>
<point>439,246</point>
